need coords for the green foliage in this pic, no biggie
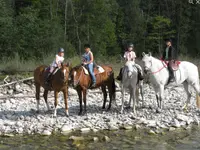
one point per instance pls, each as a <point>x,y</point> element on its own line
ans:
<point>35,29</point>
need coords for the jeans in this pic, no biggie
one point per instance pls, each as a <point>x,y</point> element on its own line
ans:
<point>90,69</point>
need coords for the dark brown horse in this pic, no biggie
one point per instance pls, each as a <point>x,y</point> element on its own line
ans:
<point>59,82</point>
<point>82,81</point>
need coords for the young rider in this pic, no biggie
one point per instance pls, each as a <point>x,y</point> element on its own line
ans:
<point>130,55</point>
<point>56,63</point>
<point>88,61</point>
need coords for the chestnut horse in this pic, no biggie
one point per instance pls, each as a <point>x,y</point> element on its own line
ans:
<point>59,82</point>
<point>82,81</point>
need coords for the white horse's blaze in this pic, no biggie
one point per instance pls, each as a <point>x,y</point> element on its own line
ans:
<point>64,72</point>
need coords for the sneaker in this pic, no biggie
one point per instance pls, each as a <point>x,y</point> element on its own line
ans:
<point>93,85</point>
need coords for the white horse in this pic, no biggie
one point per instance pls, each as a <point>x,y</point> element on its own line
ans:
<point>187,74</point>
<point>129,81</point>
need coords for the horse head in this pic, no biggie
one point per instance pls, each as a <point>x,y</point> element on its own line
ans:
<point>65,70</point>
<point>75,75</point>
<point>147,61</point>
<point>130,68</point>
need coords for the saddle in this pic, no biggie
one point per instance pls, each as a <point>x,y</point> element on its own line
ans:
<point>174,64</point>
<point>97,70</point>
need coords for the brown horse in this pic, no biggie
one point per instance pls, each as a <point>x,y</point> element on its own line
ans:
<point>59,82</point>
<point>82,81</point>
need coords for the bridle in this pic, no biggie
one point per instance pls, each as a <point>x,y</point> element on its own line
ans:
<point>76,82</point>
<point>157,70</point>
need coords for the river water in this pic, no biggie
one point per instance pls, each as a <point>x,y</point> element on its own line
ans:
<point>119,140</point>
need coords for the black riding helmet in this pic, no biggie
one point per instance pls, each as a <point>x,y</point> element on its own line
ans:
<point>130,45</point>
<point>61,50</point>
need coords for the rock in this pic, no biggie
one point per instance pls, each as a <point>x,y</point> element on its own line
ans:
<point>196,120</point>
<point>172,129</point>
<point>182,117</point>
<point>137,126</point>
<point>8,135</point>
<point>151,123</point>
<point>10,92</point>
<point>106,139</point>
<point>95,139</point>
<point>95,130</point>
<point>72,91</point>
<point>17,88</point>
<point>85,130</point>
<point>151,132</point>
<point>127,127</point>
<point>76,138</point>
<point>46,133</point>
<point>176,123</point>
<point>66,129</point>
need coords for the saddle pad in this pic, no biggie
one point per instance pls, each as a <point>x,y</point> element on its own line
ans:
<point>175,65</point>
<point>85,70</point>
<point>99,68</point>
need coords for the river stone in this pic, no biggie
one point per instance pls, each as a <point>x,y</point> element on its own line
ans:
<point>127,127</point>
<point>151,132</point>
<point>95,130</point>
<point>182,117</point>
<point>172,129</point>
<point>85,130</point>
<point>66,129</point>
<point>95,139</point>
<point>176,123</point>
<point>10,92</point>
<point>106,139</point>
<point>46,132</point>
<point>76,138</point>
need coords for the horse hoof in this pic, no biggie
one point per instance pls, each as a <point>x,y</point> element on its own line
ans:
<point>158,110</point>
<point>128,107</point>
<point>80,113</point>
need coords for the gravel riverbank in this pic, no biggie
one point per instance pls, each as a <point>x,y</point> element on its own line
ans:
<point>18,112</point>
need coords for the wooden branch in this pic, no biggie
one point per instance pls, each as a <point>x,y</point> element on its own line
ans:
<point>5,79</point>
<point>30,78</point>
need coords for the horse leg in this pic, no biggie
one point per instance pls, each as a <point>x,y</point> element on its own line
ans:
<point>134,99</point>
<point>161,91</point>
<point>130,98</point>
<point>84,100</point>
<point>37,95</point>
<point>80,101</point>
<point>65,93</point>
<point>186,87</point>
<point>141,92</point>
<point>110,90</point>
<point>104,96</point>
<point>55,103</point>
<point>122,91</point>
<point>45,95</point>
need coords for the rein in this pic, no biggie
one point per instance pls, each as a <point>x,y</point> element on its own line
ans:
<point>160,68</point>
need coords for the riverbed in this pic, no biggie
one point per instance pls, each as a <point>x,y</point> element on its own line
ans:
<point>179,139</point>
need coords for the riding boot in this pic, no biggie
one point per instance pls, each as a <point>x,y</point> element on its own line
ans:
<point>48,78</point>
<point>119,77</point>
<point>140,76</point>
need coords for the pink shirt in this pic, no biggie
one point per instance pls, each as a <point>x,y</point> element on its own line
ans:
<point>129,56</point>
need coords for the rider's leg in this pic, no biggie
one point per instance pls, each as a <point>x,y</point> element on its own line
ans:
<point>91,71</point>
<point>171,74</point>
<point>119,77</point>
<point>49,74</point>
<point>140,74</point>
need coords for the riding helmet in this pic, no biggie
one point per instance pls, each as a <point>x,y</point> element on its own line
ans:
<point>130,45</point>
<point>87,46</point>
<point>61,50</point>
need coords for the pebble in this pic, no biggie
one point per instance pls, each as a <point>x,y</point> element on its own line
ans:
<point>46,132</point>
<point>16,115</point>
<point>106,139</point>
<point>95,139</point>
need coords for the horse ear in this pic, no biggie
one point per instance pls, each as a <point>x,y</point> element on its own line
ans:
<point>149,53</point>
<point>143,54</point>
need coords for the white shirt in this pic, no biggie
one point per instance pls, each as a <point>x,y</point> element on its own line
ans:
<point>129,56</point>
<point>60,60</point>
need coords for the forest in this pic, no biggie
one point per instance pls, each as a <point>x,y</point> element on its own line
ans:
<point>34,29</point>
